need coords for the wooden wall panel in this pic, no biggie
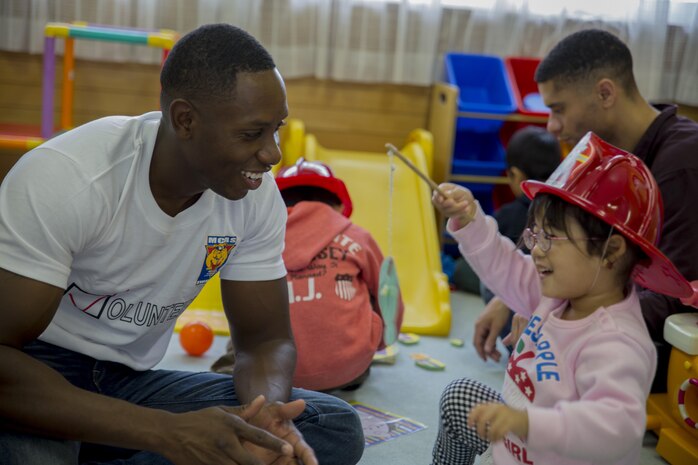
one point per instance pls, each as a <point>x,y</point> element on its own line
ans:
<point>8,157</point>
<point>352,116</point>
<point>101,89</point>
<point>346,116</point>
<point>342,115</point>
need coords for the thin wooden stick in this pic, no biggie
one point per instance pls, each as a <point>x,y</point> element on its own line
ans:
<point>392,149</point>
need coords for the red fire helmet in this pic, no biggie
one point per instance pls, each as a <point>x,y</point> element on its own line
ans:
<point>315,174</point>
<point>618,188</point>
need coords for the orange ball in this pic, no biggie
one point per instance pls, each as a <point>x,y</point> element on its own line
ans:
<point>196,338</point>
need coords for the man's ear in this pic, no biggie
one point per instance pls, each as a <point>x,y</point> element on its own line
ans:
<point>517,174</point>
<point>182,118</point>
<point>607,92</point>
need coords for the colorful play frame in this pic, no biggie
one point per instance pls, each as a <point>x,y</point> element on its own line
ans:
<point>163,39</point>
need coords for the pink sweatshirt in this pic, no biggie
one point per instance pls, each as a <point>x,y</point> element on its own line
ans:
<point>333,268</point>
<point>584,383</point>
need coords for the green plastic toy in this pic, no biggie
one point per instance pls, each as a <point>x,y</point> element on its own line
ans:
<point>388,298</point>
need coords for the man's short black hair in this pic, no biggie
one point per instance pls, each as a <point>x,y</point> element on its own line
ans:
<point>588,54</point>
<point>534,151</point>
<point>203,64</point>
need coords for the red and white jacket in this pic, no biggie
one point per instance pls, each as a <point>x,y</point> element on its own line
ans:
<point>333,268</point>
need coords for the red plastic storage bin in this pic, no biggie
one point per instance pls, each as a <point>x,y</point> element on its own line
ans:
<point>521,71</point>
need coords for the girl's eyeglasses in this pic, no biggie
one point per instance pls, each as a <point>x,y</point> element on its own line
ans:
<point>545,240</point>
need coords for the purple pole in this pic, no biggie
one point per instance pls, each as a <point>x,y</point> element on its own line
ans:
<point>47,96</point>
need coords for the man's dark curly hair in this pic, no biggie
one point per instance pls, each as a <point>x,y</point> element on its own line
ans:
<point>203,65</point>
<point>588,54</point>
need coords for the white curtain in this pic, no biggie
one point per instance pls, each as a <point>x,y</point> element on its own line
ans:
<point>389,41</point>
<point>686,73</point>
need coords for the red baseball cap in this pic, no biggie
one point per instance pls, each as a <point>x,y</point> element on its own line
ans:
<point>315,174</point>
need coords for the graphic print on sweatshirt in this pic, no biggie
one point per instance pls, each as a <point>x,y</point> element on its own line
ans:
<point>532,362</point>
<point>218,249</point>
<point>332,266</point>
<point>294,297</point>
<point>520,376</point>
<point>344,286</point>
<point>521,391</point>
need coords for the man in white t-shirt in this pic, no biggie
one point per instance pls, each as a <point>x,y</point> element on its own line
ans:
<point>106,235</point>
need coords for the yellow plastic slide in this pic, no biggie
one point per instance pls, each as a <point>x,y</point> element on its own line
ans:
<point>411,239</point>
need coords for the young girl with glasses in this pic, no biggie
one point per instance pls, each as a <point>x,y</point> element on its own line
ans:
<point>576,384</point>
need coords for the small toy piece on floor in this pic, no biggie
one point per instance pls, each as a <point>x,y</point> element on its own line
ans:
<point>386,356</point>
<point>408,338</point>
<point>427,362</point>
<point>455,342</point>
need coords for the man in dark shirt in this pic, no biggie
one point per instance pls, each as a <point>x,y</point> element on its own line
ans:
<point>587,82</point>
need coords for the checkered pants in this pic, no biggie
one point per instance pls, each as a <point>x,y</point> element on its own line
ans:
<point>457,444</point>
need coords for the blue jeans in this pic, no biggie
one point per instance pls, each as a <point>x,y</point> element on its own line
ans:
<point>329,425</point>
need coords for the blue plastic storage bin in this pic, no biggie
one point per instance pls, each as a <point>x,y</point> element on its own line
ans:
<point>483,192</point>
<point>479,154</point>
<point>483,87</point>
<point>477,147</point>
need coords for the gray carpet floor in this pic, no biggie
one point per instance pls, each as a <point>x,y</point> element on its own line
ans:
<point>407,390</point>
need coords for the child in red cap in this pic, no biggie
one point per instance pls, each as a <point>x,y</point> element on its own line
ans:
<point>333,269</point>
<point>579,376</point>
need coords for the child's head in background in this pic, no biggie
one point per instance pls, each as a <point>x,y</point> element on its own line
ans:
<point>532,153</point>
<point>313,181</point>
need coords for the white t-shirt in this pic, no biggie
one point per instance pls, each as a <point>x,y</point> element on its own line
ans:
<point>78,213</point>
